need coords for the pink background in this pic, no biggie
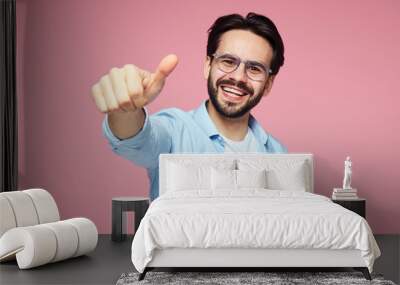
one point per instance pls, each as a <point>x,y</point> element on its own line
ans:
<point>336,95</point>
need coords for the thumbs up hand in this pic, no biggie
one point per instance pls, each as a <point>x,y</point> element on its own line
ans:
<point>129,88</point>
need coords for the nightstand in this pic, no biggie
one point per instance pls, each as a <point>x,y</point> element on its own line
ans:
<point>121,205</point>
<point>357,205</point>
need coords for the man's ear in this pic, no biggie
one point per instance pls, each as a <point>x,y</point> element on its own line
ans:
<point>207,67</point>
<point>269,84</point>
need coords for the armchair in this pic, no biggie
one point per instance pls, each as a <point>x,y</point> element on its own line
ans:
<point>31,231</point>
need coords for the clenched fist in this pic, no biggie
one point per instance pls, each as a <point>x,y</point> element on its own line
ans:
<point>128,88</point>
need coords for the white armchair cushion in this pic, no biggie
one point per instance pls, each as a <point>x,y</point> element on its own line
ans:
<point>52,242</point>
<point>87,233</point>
<point>67,239</point>
<point>23,208</point>
<point>31,232</point>
<point>7,219</point>
<point>46,207</point>
<point>33,246</point>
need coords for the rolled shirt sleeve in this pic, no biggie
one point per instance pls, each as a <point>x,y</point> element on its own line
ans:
<point>143,148</point>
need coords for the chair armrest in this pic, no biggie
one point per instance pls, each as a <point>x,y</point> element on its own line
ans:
<point>40,244</point>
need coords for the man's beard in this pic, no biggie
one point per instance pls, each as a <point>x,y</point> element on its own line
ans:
<point>229,109</point>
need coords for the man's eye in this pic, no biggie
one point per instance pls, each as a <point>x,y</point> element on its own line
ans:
<point>255,69</point>
<point>228,62</point>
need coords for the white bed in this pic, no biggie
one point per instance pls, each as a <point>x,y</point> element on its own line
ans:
<point>247,210</point>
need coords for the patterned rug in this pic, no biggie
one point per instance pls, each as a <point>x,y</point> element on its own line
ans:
<point>243,278</point>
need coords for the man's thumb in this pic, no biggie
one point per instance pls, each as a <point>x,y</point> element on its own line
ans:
<point>166,66</point>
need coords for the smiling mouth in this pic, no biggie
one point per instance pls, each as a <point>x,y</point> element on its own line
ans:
<point>233,91</point>
<point>233,95</point>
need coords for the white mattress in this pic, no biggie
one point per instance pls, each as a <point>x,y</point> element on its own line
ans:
<point>250,218</point>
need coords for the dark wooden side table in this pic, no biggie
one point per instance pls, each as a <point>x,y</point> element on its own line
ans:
<point>357,205</point>
<point>121,205</point>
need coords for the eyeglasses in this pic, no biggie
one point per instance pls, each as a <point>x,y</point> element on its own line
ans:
<point>228,63</point>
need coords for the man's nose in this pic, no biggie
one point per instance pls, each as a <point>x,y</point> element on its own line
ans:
<point>239,74</point>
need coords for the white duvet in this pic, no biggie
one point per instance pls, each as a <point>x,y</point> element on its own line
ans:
<point>251,218</point>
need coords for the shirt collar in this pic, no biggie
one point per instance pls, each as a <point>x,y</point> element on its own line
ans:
<point>202,117</point>
<point>258,130</point>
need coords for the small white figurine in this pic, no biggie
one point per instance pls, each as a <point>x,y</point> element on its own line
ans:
<point>347,174</point>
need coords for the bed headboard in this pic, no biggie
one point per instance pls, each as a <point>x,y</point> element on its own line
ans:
<point>211,158</point>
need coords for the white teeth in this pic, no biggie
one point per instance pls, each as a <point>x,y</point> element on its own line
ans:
<point>233,91</point>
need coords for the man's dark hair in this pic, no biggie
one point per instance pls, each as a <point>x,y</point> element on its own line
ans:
<point>258,24</point>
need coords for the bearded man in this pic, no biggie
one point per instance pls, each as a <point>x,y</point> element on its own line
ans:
<point>243,57</point>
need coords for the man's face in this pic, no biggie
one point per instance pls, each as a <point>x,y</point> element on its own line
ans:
<point>223,86</point>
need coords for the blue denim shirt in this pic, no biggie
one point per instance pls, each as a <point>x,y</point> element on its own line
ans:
<point>173,130</point>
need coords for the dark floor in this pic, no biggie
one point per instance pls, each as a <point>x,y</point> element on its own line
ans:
<point>111,259</point>
<point>102,266</point>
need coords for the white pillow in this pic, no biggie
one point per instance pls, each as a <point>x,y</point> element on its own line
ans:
<point>251,178</point>
<point>223,179</point>
<point>236,179</point>
<point>184,175</point>
<point>287,179</point>
<point>282,174</point>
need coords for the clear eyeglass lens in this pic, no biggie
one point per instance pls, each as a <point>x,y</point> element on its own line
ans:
<point>228,64</point>
<point>253,71</point>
